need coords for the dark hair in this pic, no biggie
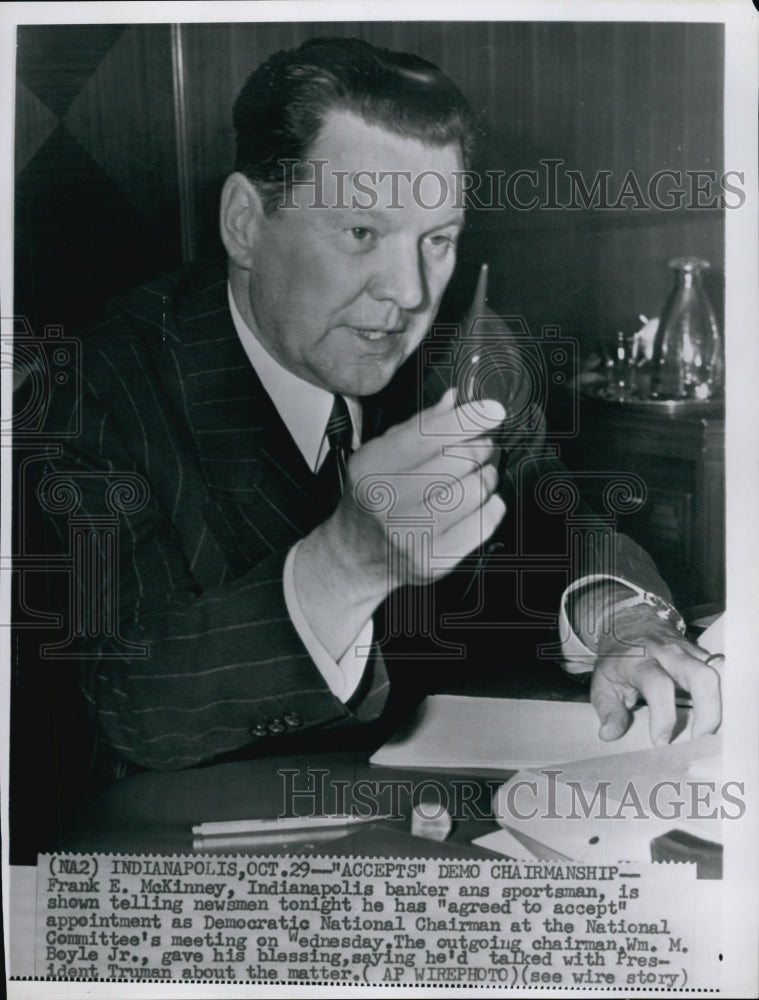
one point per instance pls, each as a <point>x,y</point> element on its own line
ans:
<point>280,111</point>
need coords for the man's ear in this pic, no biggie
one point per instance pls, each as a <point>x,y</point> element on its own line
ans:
<point>240,215</point>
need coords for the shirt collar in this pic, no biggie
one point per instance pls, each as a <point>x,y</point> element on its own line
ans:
<point>304,408</point>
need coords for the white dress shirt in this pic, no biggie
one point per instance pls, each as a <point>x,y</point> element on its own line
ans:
<point>305,410</point>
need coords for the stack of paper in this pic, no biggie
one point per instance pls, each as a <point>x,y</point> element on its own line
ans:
<point>609,809</point>
<point>574,796</point>
<point>451,731</point>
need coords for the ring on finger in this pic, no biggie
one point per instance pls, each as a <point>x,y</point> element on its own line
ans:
<point>714,658</point>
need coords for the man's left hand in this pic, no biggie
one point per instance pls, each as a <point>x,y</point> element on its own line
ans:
<point>663,660</point>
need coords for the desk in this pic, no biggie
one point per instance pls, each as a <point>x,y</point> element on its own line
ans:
<point>154,812</point>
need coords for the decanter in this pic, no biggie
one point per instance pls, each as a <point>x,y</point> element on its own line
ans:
<point>688,358</point>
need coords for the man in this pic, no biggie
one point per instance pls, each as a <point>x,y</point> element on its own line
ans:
<point>248,584</point>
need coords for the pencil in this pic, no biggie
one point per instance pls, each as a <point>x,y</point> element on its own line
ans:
<point>284,837</point>
<point>234,827</point>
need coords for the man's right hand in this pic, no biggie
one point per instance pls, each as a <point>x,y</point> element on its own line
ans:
<point>417,501</point>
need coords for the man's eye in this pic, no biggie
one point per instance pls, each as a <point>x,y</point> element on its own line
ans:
<point>441,243</point>
<point>358,239</point>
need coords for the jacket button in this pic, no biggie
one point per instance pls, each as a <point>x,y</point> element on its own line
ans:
<point>292,720</point>
<point>276,726</point>
<point>258,730</point>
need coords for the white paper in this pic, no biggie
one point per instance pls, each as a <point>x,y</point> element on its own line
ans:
<point>617,805</point>
<point>508,733</point>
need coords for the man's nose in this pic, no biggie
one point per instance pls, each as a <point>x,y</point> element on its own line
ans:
<point>399,277</point>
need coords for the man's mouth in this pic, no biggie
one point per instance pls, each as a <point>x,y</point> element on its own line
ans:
<point>375,334</point>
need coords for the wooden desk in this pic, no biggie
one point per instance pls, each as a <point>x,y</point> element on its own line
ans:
<point>154,812</point>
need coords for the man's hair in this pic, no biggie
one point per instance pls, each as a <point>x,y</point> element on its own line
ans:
<point>280,111</point>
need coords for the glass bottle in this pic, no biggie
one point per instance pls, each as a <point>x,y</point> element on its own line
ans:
<point>687,360</point>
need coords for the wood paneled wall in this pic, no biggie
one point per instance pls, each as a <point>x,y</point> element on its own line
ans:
<point>105,198</point>
<point>96,206</point>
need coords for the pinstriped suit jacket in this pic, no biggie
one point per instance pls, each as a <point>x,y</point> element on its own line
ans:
<point>169,394</point>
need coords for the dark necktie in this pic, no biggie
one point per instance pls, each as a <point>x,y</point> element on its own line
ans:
<point>340,437</point>
<point>367,700</point>
<point>332,474</point>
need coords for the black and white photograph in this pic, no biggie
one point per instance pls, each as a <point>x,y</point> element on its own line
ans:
<point>378,463</point>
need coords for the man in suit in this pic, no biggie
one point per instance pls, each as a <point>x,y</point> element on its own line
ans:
<point>218,416</point>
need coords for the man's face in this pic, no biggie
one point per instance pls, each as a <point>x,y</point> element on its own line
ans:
<point>342,295</point>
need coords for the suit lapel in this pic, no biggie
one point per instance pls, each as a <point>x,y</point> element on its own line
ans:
<point>261,492</point>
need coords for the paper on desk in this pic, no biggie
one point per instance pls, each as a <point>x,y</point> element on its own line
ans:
<point>609,809</point>
<point>507,733</point>
<point>514,845</point>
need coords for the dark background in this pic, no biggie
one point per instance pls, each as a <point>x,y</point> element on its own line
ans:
<point>124,137</point>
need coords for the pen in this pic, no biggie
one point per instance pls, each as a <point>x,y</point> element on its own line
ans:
<point>480,295</point>
<point>227,828</point>
<point>241,841</point>
<point>469,354</point>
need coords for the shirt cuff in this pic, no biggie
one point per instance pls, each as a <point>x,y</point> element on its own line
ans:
<point>578,659</point>
<point>344,676</point>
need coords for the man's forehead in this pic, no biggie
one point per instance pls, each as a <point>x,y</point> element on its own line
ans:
<point>355,164</point>
<point>363,145</point>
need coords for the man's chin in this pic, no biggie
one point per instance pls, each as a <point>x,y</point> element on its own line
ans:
<point>371,380</point>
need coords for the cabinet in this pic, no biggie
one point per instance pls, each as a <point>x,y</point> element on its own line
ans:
<point>679,458</point>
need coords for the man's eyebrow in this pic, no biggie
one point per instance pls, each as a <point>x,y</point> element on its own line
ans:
<point>458,220</point>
